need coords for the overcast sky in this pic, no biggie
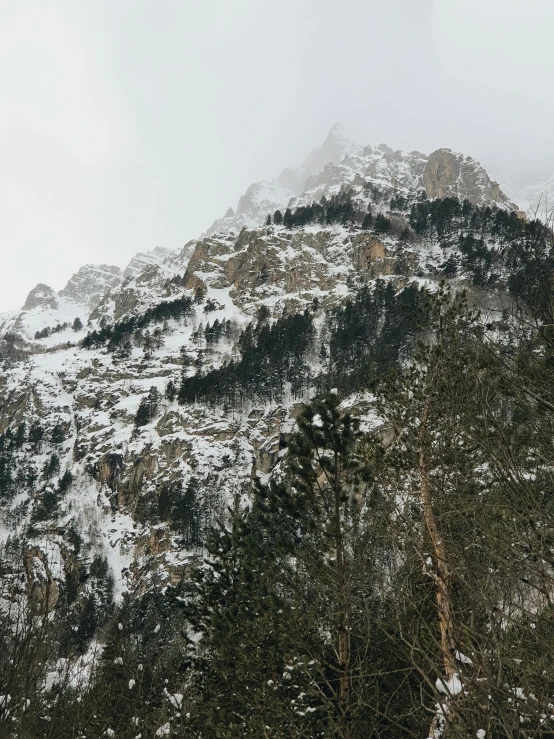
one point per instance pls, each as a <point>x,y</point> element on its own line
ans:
<point>126,124</point>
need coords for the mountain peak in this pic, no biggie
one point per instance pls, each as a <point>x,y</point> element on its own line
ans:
<point>449,173</point>
<point>90,282</point>
<point>337,132</point>
<point>41,296</point>
<point>335,147</point>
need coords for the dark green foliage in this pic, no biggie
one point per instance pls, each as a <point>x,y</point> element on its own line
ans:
<point>90,604</point>
<point>47,331</point>
<point>271,613</point>
<point>20,435</point>
<point>148,407</point>
<point>212,305</point>
<point>43,333</point>
<point>215,332</point>
<point>371,333</point>
<point>181,508</point>
<point>117,333</point>
<point>170,391</point>
<point>51,466</point>
<point>399,203</point>
<point>270,357</point>
<point>65,481</point>
<point>382,224</point>
<point>77,324</point>
<point>339,208</point>
<point>6,473</point>
<point>199,294</point>
<point>530,259</point>
<point>478,259</point>
<point>140,669</point>
<point>142,416</point>
<point>46,505</point>
<point>367,223</point>
<point>446,217</point>
<point>58,434</point>
<point>124,350</point>
<point>36,435</point>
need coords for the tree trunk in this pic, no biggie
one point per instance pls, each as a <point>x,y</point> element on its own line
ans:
<point>343,614</point>
<point>442,575</point>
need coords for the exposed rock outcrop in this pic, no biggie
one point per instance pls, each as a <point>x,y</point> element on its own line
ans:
<point>41,296</point>
<point>449,174</point>
<point>43,592</point>
<point>88,284</point>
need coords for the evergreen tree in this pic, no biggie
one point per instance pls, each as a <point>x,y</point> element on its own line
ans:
<point>382,224</point>
<point>170,391</point>
<point>58,434</point>
<point>142,416</point>
<point>20,435</point>
<point>36,435</point>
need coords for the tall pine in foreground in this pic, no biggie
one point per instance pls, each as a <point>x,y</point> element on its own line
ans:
<point>292,607</point>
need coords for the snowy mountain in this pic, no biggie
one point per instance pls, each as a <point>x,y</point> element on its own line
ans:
<point>339,161</point>
<point>44,308</point>
<point>93,291</point>
<point>88,284</point>
<point>143,260</point>
<point>226,278</point>
<point>262,198</point>
<point>94,402</point>
<point>126,435</point>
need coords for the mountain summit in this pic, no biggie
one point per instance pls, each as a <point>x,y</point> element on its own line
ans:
<point>265,197</point>
<point>340,161</point>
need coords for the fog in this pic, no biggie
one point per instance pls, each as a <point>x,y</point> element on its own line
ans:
<point>130,124</point>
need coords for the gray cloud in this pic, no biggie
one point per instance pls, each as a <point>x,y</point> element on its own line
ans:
<point>128,124</point>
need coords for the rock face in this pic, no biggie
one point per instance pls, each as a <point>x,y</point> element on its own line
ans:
<point>450,174</point>
<point>42,589</point>
<point>90,283</point>
<point>41,296</point>
<point>143,260</point>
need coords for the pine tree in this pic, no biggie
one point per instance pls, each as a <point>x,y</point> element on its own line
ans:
<point>170,391</point>
<point>58,434</point>
<point>36,435</point>
<point>142,416</point>
<point>382,224</point>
